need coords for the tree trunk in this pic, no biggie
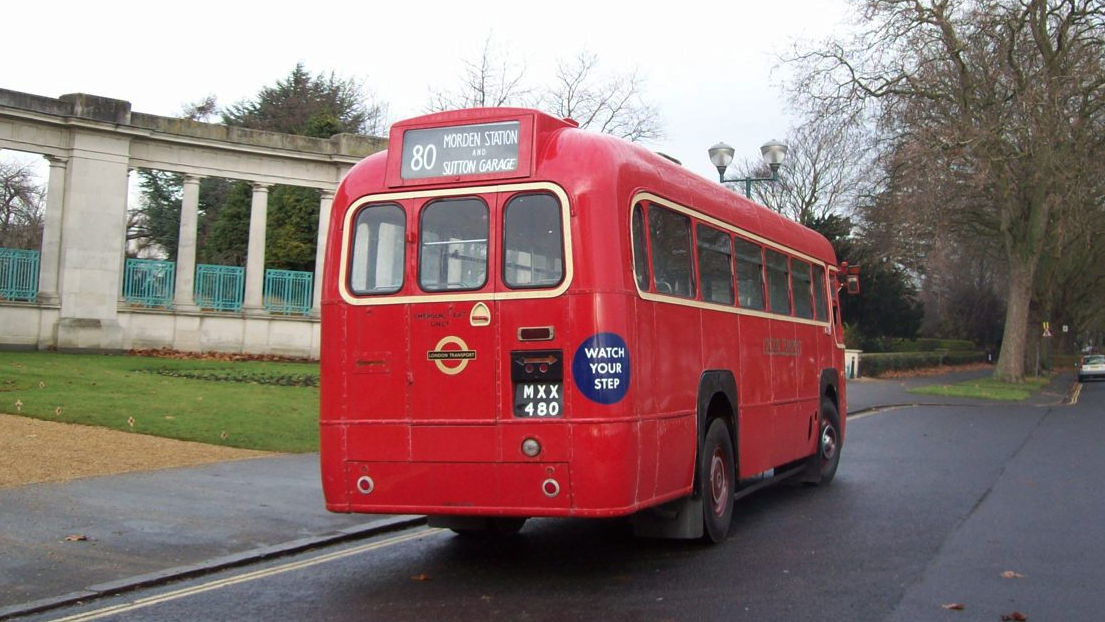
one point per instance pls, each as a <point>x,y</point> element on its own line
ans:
<point>1010,367</point>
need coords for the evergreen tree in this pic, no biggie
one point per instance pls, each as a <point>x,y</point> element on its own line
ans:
<point>887,306</point>
<point>227,238</point>
<point>318,106</point>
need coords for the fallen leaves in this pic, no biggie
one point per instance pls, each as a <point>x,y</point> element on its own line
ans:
<point>1009,574</point>
<point>422,577</point>
<point>1016,616</point>
<point>76,538</point>
<point>954,606</point>
<point>168,353</point>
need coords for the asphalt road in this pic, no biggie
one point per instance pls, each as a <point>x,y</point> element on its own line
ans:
<point>930,507</point>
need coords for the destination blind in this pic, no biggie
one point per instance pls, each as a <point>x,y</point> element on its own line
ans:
<point>461,150</point>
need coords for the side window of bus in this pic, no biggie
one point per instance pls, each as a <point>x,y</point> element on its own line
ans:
<point>533,242</point>
<point>715,264</point>
<point>672,265</point>
<point>778,283</point>
<point>750,275</point>
<point>453,245</point>
<point>819,293</point>
<point>803,297</point>
<point>640,248</point>
<point>376,266</point>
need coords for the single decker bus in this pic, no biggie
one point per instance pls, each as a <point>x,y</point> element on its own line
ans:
<point>521,318</point>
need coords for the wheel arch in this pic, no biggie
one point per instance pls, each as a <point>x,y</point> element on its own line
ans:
<point>717,398</point>
<point>830,389</point>
<point>830,386</point>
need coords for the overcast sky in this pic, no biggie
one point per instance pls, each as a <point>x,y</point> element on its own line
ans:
<point>711,67</point>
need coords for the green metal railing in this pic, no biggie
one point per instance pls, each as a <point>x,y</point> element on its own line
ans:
<point>288,291</point>
<point>18,274</point>
<point>149,282</point>
<point>221,288</point>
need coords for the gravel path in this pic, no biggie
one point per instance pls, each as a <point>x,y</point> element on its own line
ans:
<point>32,450</point>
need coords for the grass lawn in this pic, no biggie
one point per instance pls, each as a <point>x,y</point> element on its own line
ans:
<point>986,389</point>
<point>254,405</point>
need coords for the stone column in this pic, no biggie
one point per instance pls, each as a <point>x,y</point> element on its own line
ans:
<point>184,296</point>
<point>324,206</point>
<point>50,258</point>
<point>255,259</point>
<point>93,232</point>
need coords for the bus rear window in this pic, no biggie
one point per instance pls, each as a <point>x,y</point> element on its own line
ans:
<point>532,240</point>
<point>453,245</point>
<point>376,266</point>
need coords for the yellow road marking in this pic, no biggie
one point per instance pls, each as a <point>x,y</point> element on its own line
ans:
<point>142,603</point>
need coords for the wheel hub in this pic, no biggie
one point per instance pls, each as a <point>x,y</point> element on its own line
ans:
<point>828,442</point>
<point>719,482</point>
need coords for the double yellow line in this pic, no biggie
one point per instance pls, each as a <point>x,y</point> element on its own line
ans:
<point>142,603</point>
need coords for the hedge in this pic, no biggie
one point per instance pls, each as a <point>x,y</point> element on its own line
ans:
<point>876,364</point>
<point>929,345</point>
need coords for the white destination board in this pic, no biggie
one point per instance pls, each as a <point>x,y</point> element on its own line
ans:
<point>461,150</point>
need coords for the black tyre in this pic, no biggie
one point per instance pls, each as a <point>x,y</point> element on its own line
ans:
<point>716,481</point>
<point>494,528</point>
<point>828,441</point>
<point>479,527</point>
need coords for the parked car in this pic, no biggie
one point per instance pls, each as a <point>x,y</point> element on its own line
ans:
<point>1092,366</point>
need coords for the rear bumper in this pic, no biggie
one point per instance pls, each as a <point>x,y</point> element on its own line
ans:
<point>584,469</point>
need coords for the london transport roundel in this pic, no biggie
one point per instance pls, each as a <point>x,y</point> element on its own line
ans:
<point>600,368</point>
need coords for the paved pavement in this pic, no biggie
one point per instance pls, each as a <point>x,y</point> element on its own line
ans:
<point>147,528</point>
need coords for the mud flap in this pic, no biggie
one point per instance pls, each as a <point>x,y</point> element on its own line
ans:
<point>679,519</point>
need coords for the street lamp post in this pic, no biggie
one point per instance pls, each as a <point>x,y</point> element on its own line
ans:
<point>773,152</point>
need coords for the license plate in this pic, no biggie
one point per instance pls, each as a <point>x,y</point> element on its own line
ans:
<point>538,399</point>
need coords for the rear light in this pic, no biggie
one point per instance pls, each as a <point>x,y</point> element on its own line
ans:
<point>531,448</point>
<point>536,333</point>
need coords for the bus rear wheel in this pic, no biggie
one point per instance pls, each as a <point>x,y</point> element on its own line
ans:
<point>828,441</point>
<point>716,481</point>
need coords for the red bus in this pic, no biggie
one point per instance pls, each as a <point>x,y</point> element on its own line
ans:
<point>521,318</point>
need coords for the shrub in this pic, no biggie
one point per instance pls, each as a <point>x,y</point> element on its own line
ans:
<point>877,364</point>
<point>928,345</point>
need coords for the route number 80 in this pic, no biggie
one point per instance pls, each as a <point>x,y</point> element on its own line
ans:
<point>423,157</point>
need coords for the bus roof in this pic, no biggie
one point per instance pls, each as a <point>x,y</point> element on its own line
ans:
<point>540,145</point>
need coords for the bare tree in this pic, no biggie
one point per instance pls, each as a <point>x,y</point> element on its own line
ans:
<point>825,172</point>
<point>490,80</point>
<point>22,206</point>
<point>201,110</point>
<point>611,104</point>
<point>1000,101</point>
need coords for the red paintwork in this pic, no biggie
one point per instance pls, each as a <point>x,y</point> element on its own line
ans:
<point>448,444</point>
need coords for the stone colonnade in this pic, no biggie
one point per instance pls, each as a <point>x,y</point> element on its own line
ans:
<point>92,143</point>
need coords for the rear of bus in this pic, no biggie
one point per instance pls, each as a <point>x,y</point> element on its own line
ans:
<point>469,367</point>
